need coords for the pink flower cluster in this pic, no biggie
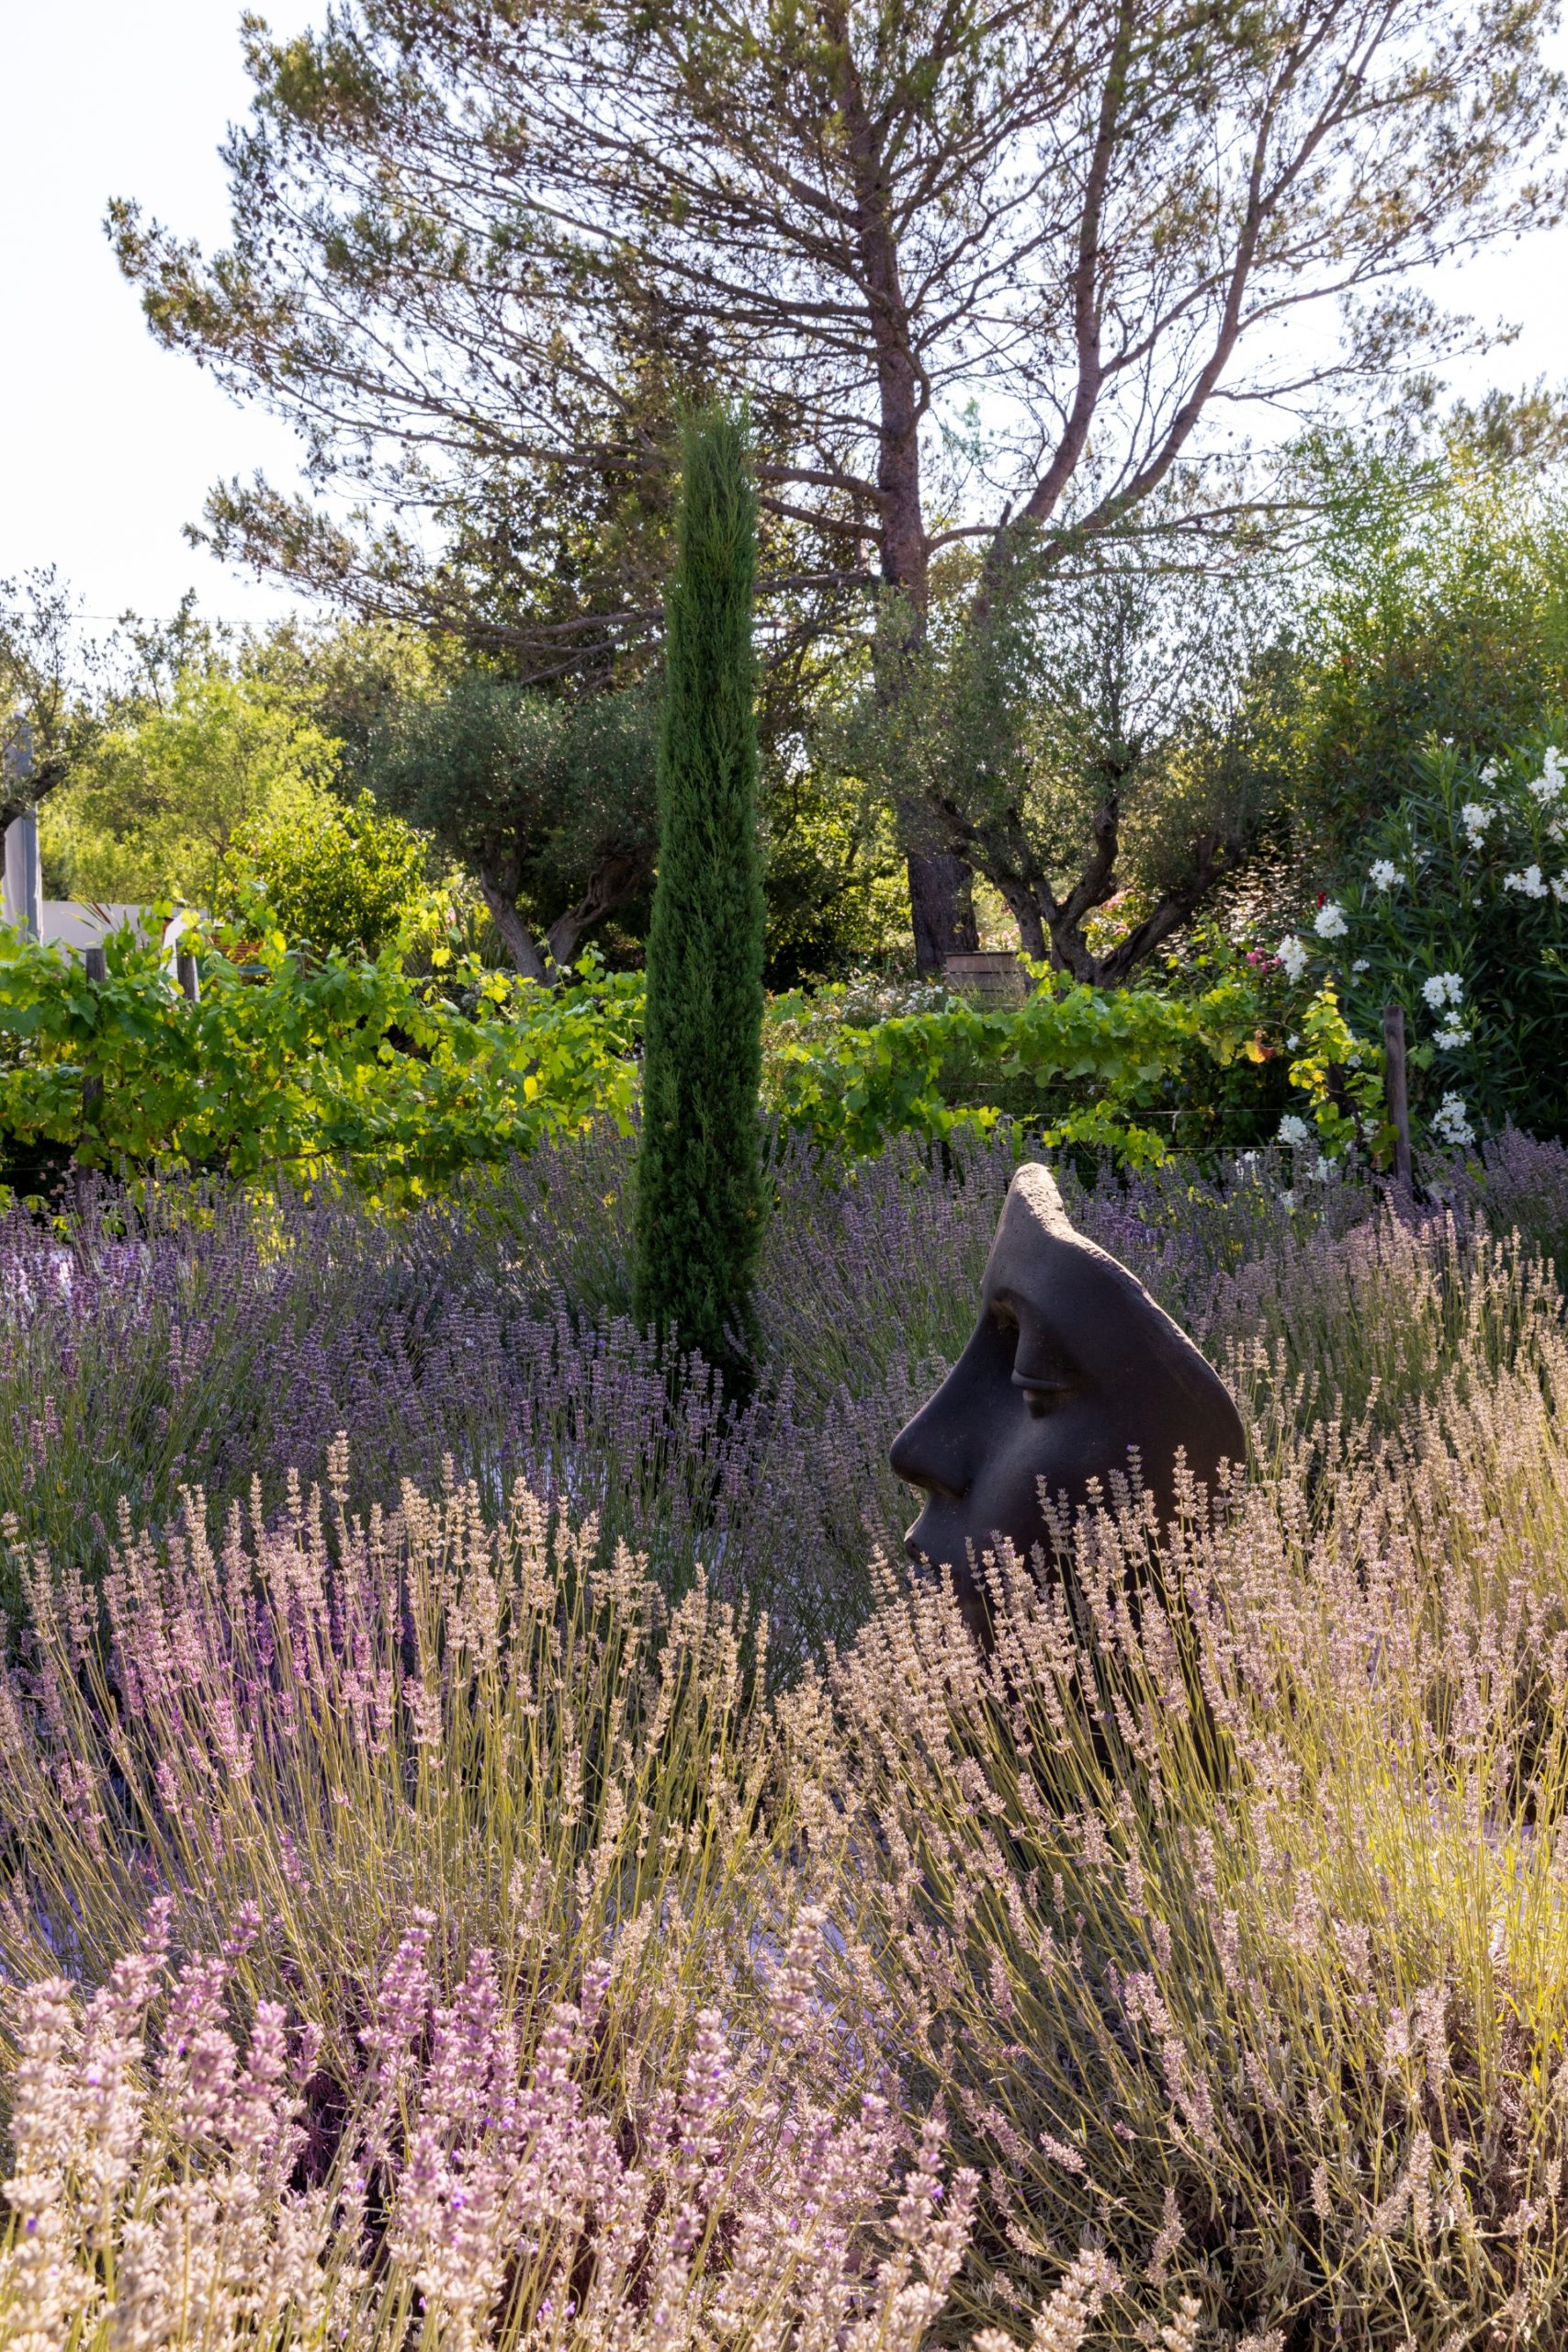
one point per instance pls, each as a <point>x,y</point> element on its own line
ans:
<point>155,2192</point>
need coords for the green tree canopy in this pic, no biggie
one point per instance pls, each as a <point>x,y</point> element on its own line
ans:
<point>1106,739</point>
<point>49,699</point>
<point>482,244</point>
<point>1437,611</point>
<point>548,800</point>
<point>153,809</point>
<point>340,875</point>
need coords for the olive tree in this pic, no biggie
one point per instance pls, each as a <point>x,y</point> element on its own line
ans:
<point>548,800</point>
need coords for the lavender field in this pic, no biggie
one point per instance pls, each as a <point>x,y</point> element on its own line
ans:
<point>497,1852</point>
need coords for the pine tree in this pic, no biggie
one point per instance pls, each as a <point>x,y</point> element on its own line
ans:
<point>699,1178</point>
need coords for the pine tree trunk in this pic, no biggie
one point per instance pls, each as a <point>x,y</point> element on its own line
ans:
<point>699,1178</point>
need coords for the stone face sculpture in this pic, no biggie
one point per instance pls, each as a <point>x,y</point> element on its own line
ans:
<point>1071,1366</point>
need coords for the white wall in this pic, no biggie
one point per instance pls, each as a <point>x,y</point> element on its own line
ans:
<point>73,923</point>
<point>78,924</point>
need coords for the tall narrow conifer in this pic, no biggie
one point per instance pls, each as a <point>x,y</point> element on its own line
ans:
<point>699,1178</point>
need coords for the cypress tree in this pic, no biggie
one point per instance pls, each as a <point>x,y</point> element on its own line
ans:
<point>699,1175</point>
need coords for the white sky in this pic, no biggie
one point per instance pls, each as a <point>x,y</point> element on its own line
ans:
<point>109,445</point>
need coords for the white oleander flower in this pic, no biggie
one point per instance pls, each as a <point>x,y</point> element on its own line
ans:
<point>1293,1042</point>
<point>1295,1132</point>
<point>1490,773</point>
<point>1451,1122</point>
<point>1384,874</point>
<point>1360,964</point>
<point>1450,1036</point>
<point>1443,988</point>
<point>1475,816</point>
<point>1288,1201</point>
<point>1549,784</point>
<point>1559,888</point>
<point>1329,920</point>
<point>1293,954</point>
<point>1529,884</point>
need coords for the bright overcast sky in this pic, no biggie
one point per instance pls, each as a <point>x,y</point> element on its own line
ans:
<point>107,445</point>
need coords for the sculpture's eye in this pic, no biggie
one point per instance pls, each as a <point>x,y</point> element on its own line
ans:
<point>1041,1395</point>
<point>1034,1372</point>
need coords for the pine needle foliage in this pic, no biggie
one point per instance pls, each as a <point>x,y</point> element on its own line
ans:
<point>700,1191</point>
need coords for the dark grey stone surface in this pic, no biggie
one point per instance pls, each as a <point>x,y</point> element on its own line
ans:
<point>1071,1368</point>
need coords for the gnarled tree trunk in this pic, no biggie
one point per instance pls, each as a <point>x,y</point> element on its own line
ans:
<point>942,905</point>
<point>515,935</point>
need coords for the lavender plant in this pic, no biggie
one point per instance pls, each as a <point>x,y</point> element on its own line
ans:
<point>154,2143</point>
<point>1229,1936</point>
<point>199,1341</point>
<point>430,1921</point>
<point>445,1990</point>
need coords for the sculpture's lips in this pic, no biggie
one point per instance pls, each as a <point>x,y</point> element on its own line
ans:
<point>915,1542</point>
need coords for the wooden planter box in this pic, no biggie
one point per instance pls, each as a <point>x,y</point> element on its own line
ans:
<point>995,979</point>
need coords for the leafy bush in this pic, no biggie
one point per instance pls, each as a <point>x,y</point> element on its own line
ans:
<point>1083,1067</point>
<point>302,1066</point>
<point>1458,910</point>
<point>305,1065</point>
<point>332,876</point>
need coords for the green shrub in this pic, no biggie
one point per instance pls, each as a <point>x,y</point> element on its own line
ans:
<point>1123,1070</point>
<point>300,1066</point>
<point>331,877</point>
<point>295,1064</point>
<point>1458,910</point>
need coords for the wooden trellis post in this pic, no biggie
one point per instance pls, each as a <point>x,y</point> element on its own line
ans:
<point>98,971</point>
<point>1397,1089</point>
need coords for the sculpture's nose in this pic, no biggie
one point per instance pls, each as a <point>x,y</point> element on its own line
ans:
<point>930,1451</point>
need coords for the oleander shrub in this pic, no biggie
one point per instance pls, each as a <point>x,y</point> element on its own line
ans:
<point>1456,908</point>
